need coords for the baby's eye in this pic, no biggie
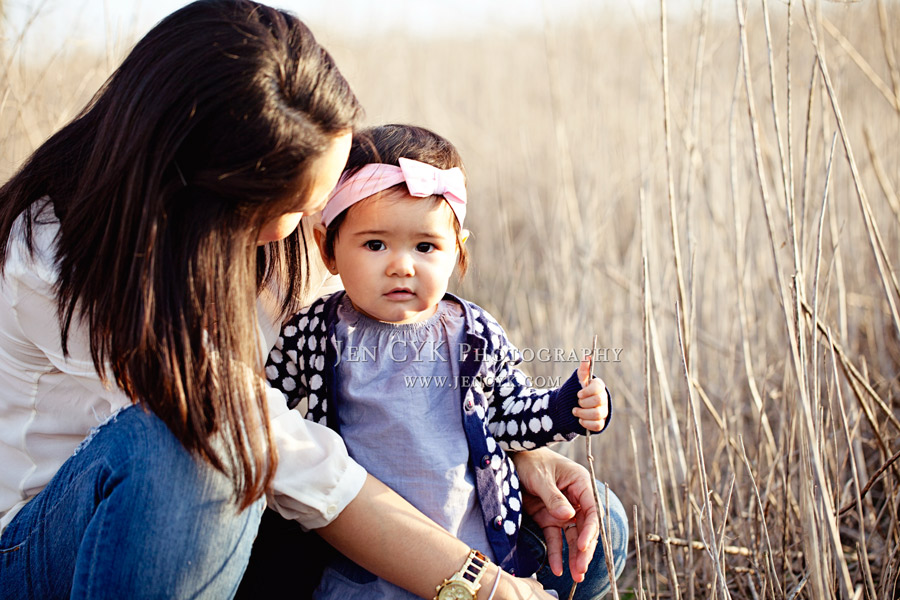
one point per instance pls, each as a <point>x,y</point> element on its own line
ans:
<point>375,245</point>
<point>424,247</point>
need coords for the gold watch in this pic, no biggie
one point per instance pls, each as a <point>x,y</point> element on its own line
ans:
<point>465,583</point>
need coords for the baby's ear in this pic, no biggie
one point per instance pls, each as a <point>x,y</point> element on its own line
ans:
<point>319,232</point>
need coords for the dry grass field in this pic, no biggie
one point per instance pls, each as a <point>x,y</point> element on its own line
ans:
<point>715,197</point>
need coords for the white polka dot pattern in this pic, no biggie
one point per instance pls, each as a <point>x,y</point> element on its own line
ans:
<point>501,413</point>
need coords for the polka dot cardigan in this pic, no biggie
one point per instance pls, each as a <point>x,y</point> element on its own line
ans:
<point>500,412</point>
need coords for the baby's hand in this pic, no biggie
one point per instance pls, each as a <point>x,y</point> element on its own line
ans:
<point>593,399</point>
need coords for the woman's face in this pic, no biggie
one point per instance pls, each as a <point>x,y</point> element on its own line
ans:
<point>326,170</point>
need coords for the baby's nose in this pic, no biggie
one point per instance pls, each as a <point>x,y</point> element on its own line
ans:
<point>401,265</point>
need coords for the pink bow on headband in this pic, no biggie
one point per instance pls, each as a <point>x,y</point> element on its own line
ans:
<point>422,180</point>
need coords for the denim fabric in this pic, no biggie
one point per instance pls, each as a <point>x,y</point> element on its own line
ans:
<point>596,582</point>
<point>131,515</point>
<point>287,562</point>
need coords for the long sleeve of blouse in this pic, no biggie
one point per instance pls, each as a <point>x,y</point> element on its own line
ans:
<point>49,402</point>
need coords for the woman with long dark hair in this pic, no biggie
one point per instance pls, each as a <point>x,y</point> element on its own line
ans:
<point>138,436</point>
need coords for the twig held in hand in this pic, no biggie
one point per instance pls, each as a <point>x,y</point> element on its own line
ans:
<point>604,520</point>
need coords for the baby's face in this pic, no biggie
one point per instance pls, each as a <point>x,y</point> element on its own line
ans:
<point>395,255</point>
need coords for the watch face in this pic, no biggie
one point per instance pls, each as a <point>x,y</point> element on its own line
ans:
<point>455,591</point>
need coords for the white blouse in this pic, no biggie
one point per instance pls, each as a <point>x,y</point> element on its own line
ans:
<point>50,402</point>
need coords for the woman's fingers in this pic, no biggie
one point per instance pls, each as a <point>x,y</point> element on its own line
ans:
<point>553,539</point>
<point>563,490</point>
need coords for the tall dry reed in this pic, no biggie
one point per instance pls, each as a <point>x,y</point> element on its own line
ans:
<point>713,191</point>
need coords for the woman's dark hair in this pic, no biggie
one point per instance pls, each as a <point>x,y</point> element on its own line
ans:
<point>161,185</point>
<point>387,144</point>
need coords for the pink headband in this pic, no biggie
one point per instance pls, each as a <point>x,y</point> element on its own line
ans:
<point>421,179</point>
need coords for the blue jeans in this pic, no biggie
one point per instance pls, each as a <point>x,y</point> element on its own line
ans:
<point>287,562</point>
<point>130,515</point>
<point>596,582</point>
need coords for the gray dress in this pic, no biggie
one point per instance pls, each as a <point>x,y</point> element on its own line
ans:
<point>401,418</point>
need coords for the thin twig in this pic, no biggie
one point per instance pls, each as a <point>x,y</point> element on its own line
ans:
<point>881,175</point>
<point>647,316</point>
<point>605,530</point>
<point>770,555</point>
<point>853,373</point>
<point>861,62</point>
<point>887,43</point>
<point>698,545</point>
<point>704,481</point>
<point>885,270</point>
<point>637,550</point>
<point>874,478</point>
<point>673,213</point>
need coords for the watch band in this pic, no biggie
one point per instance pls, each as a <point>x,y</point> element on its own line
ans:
<point>468,579</point>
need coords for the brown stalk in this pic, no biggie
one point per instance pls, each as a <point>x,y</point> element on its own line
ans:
<point>814,390</point>
<point>605,531</point>
<point>861,62</point>
<point>704,482</point>
<point>662,378</point>
<point>647,320</point>
<point>692,157</point>
<point>720,543</point>
<point>887,43</point>
<point>874,478</point>
<point>651,427</point>
<point>885,270</point>
<point>783,161</point>
<point>638,510</point>
<point>769,557</point>
<point>853,374</point>
<point>698,545</point>
<point>863,558</point>
<point>740,269</point>
<point>789,194</point>
<point>670,184</point>
<point>563,147</point>
<point>818,503</point>
<point>807,142</point>
<point>861,549</point>
<point>883,180</point>
<point>637,550</point>
<point>692,162</point>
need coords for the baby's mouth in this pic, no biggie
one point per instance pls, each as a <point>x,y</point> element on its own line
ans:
<point>400,294</point>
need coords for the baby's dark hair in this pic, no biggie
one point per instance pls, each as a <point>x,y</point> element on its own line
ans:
<point>387,144</point>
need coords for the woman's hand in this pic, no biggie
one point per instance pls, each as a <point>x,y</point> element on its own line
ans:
<point>558,493</point>
<point>593,399</point>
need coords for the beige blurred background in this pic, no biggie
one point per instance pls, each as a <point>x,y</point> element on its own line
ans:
<point>619,190</point>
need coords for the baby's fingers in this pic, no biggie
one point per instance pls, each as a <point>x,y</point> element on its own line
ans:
<point>590,418</point>
<point>599,412</point>
<point>584,371</point>
<point>593,395</point>
<point>593,408</point>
